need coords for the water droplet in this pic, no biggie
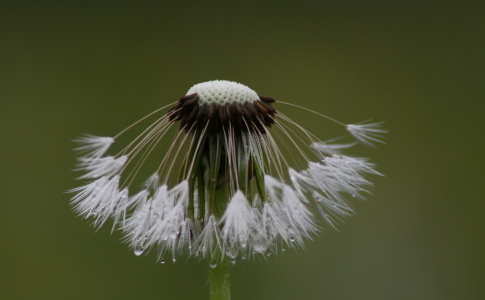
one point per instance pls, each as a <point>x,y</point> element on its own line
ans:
<point>269,254</point>
<point>233,261</point>
<point>260,246</point>
<point>353,196</point>
<point>283,249</point>
<point>139,249</point>
<point>291,234</point>
<point>213,263</point>
<point>231,252</point>
<point>174,259</point>
<point>162,261</point>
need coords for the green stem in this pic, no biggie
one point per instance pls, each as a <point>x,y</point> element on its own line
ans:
<point>215,153</point>
<point>259,179</point>
<point>219,274</point>
<point>242,165</point>
<point>220,281</point>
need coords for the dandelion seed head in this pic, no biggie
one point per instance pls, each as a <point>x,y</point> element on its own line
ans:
<point>239,178</point>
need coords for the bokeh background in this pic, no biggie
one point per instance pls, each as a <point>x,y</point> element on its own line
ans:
<point>74,67</point>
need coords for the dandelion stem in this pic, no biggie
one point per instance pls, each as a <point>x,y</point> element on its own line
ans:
<point>259,180</point>
<point>242,165</point>
<point>220,281</point>
<point>215,150</point>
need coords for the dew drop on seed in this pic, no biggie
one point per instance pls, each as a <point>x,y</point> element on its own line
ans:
<point>139,249</point>
<point>213,263</point>
<point>259,246</point>
<point>291,234</point>
<point>162,261</point>
<point>174,259</point>
<point>230,252</point>
<point>283,249</point>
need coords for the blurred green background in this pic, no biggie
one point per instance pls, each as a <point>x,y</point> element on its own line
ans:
<point>69,68</point>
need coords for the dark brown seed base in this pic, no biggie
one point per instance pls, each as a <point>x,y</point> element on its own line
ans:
<point>240,117</point>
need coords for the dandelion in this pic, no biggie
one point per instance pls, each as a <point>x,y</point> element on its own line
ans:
<point>239,179</point>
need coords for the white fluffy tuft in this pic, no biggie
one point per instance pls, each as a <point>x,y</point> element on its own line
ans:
<point>367,133</point>
<point>97,167</point>
<point>239,221</point>
<point>93,147</point>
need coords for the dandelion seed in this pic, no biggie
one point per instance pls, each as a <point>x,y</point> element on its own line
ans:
<point>94,147</point>
<point>367,133</point>
<point>239,179</point>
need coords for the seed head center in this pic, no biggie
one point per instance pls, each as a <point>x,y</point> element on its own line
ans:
<point>222,91</point>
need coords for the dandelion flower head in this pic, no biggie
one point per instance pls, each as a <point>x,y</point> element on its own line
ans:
<point>239,178</point>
